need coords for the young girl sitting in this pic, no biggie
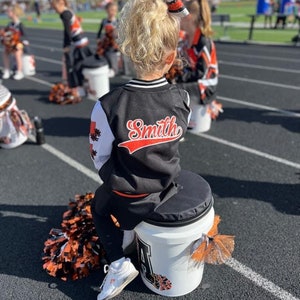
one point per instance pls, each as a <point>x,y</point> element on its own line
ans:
<point>12,40</point>
<point>135,133</point>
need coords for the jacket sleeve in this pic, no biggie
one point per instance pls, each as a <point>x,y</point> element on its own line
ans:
<point>66,17</point>
<point>203,68</point>
<point>101,137</point>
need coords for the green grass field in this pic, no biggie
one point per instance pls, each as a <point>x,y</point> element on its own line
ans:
<point>238,10</point>
<point>237,30</point>
<point>259,35</point>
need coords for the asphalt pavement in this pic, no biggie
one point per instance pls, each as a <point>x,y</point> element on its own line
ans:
<point>250,157</point>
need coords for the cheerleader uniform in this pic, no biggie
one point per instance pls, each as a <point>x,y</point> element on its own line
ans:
<point>110,52</point>
<point>105,22</point>
<point>73,35</point>
<point>200,77</point>
<point>18,29</point>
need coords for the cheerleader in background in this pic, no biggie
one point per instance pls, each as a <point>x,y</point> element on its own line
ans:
<point>200,74</point>
<point>73,36</point>
<point>106,38</point>
<point>112,11</point>
<point>13,33</point>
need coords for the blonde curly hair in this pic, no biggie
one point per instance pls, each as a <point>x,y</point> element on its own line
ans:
<point>201,15</point>
<point>146,33</point>
<point>16,9</point>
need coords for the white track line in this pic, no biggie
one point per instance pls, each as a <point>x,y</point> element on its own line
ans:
<point>252,66</point>
<point>278,58</point>
<point>250,150</point>
<point>264,107</point>
<point>41,81</point>
<point>286,86</point>
<point>70,161</point>
<point>259,280</point>
<point>52,61</point>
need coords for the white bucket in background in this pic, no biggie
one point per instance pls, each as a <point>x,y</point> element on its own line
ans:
<point>97,81</point>
<point>165,256</point>
<point>200,119</point>
<point>28,65</point>
<point>8,130</point>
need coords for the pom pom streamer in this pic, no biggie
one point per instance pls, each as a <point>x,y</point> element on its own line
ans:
<point>73,251</point>
<point>108,42</point>
<point>213,248</point>
<point>10,38</point>
<point>214,109</point>
<point>61,93</point>
<point>175,71</point>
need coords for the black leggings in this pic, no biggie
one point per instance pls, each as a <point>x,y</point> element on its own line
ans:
<point>74,65</point>
<point>129,213</point>
<point>111,236</point>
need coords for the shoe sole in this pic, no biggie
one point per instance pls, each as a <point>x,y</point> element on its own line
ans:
<point>121,288</point>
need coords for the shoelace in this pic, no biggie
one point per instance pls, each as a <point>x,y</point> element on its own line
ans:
<point>105,270</point>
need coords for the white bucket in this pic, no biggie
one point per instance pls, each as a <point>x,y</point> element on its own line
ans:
<point>97,81</point>
<point>8,131</point>
<point>165,256</point>
<point>28,65</point>
<point>200,119</point>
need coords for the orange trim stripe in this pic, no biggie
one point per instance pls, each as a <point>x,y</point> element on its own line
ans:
<point>130,195</point>
<point>6,104</point>
<point>196,36</point>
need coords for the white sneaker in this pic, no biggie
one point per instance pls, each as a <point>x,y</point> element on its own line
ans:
<point>120,273</point>
<point>129,242</point>
<point>6,74</point>
<point>19,75</point>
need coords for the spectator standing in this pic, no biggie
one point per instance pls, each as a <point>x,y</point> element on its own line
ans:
<point>269,11</point>
<point>36,5</point>
<point>281,18</point>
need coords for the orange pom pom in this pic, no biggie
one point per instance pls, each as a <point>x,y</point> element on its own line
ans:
<point>214,248</point>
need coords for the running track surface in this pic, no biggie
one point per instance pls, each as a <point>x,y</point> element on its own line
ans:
<point>250,157</point>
